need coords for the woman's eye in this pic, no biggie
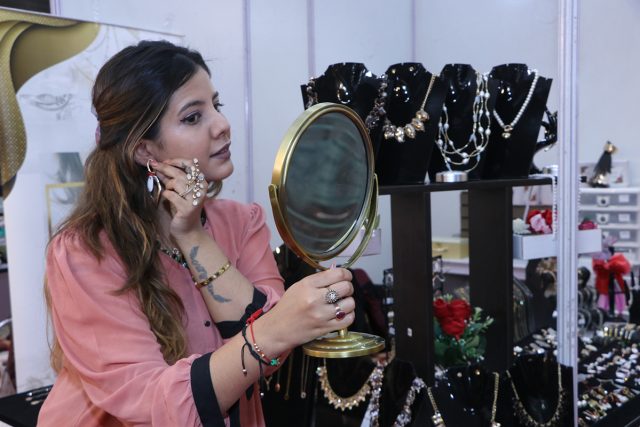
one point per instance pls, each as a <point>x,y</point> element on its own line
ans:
<point>192,119</point>
<point>218,106</point>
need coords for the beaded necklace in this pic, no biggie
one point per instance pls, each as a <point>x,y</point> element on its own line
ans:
<point>479,138</point>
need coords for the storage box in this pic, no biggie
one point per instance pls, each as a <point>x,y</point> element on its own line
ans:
<point>534,246</point>
<point>450,247</point>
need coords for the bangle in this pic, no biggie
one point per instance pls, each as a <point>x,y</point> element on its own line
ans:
<point>214,276</point>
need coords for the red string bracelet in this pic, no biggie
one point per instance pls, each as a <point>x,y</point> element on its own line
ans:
<point>274,361</point>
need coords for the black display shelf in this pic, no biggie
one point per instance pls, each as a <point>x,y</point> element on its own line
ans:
<point>490,265</point>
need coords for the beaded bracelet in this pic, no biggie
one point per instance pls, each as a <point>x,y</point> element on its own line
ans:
<point>214,276</point>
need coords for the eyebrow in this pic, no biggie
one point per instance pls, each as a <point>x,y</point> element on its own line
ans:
<point>215,96</point>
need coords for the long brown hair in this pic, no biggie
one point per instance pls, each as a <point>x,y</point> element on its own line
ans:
<point>130,95</point>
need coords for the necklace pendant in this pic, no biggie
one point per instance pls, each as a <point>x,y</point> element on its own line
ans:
<point>417,124</point>
<point>422,115</point>
<point>507,131</point>
<point>495,424</point>
<point>400,134</point>
<point>389,132</point>
<point>437,420</point>
<point>410,131</point>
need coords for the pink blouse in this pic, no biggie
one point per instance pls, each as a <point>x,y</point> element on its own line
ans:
<point>113,372</point>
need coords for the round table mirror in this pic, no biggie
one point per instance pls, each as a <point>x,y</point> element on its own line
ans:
<point>323,193</point>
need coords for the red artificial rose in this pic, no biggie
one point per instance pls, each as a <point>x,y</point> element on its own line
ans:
<point>531,213</point>
<point>453,327</point>
<point>441,309</point>
<point>460,309</point>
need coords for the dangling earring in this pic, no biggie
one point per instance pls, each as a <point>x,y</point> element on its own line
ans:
<point>154,187</point>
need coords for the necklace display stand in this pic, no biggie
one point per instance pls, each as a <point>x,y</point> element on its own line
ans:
<point>460,81</point>
<point>465,397</point>
<point>535,377</point>
<point>346,83</point>
<point>510,151</point>
<point>407,162</point>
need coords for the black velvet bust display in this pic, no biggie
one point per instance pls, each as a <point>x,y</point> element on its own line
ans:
<point>536,380</point>
<point>407,162</point>
<point>465,395</point>
<point>460,86</point>
<point>513,157</point>
<point>350,84</point>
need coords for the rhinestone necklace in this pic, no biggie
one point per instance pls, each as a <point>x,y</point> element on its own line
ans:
<point>416,124</point>
<point>508,129</point>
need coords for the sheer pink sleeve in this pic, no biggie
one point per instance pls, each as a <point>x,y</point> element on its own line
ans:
<point>107,342</point>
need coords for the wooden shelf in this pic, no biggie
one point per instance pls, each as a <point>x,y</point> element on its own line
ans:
<point>490,266</point>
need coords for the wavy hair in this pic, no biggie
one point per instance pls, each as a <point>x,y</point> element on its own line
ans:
<point>130,96</point>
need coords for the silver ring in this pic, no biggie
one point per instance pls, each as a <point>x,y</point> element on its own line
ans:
<point>331,297</point>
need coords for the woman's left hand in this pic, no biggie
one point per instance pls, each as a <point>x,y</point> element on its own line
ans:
<point>185,191</point>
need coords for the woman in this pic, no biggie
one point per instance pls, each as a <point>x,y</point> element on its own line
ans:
<point>144,334</point>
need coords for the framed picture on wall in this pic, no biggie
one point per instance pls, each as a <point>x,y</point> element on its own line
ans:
<point>43,6</point>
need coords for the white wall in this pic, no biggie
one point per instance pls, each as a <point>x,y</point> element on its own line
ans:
<point>608,87</point>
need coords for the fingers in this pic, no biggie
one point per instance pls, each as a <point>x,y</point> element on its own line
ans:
<point>329,277</point>
<point>340,309</point>
<point>182,177</point>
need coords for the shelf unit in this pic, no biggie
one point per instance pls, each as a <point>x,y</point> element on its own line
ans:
<point>616,210</point>
<point>490,266</point>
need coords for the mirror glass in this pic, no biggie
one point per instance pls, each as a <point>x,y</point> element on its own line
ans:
<point>323,189</point>
<point>326,184</point>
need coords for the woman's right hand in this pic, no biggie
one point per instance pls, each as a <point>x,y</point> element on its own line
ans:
<point>303,314</point>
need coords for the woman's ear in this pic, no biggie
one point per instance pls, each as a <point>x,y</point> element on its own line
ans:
<point>144,152</point>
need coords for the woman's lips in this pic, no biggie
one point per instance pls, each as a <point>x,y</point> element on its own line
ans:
<point>223,153</point>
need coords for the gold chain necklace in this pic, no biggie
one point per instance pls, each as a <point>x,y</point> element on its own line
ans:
<point>526,418</point>
<point>340,402</point>
<point>437,419</point>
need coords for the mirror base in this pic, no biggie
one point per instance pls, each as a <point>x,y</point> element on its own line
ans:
<point>343,344</point>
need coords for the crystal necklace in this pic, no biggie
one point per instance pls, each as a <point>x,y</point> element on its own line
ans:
<point>479,138</point>
<point>377,111</point>
<point>175,255</point>
<point>508,129</point>
<point>373,409</point>
<point>174,252</point>
<point>526,419</point>
<point>437,419</point>
<point>415,125</point>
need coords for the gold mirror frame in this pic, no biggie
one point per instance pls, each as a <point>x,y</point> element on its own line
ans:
<point>342,343</point>
<point>368,212</point>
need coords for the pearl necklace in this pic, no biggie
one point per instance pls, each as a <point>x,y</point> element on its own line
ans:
<point>481,130</point>
<point>415,125</point>
<point>508,129</point>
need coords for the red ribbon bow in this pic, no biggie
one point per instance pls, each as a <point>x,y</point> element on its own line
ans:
<point>617,264</point>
